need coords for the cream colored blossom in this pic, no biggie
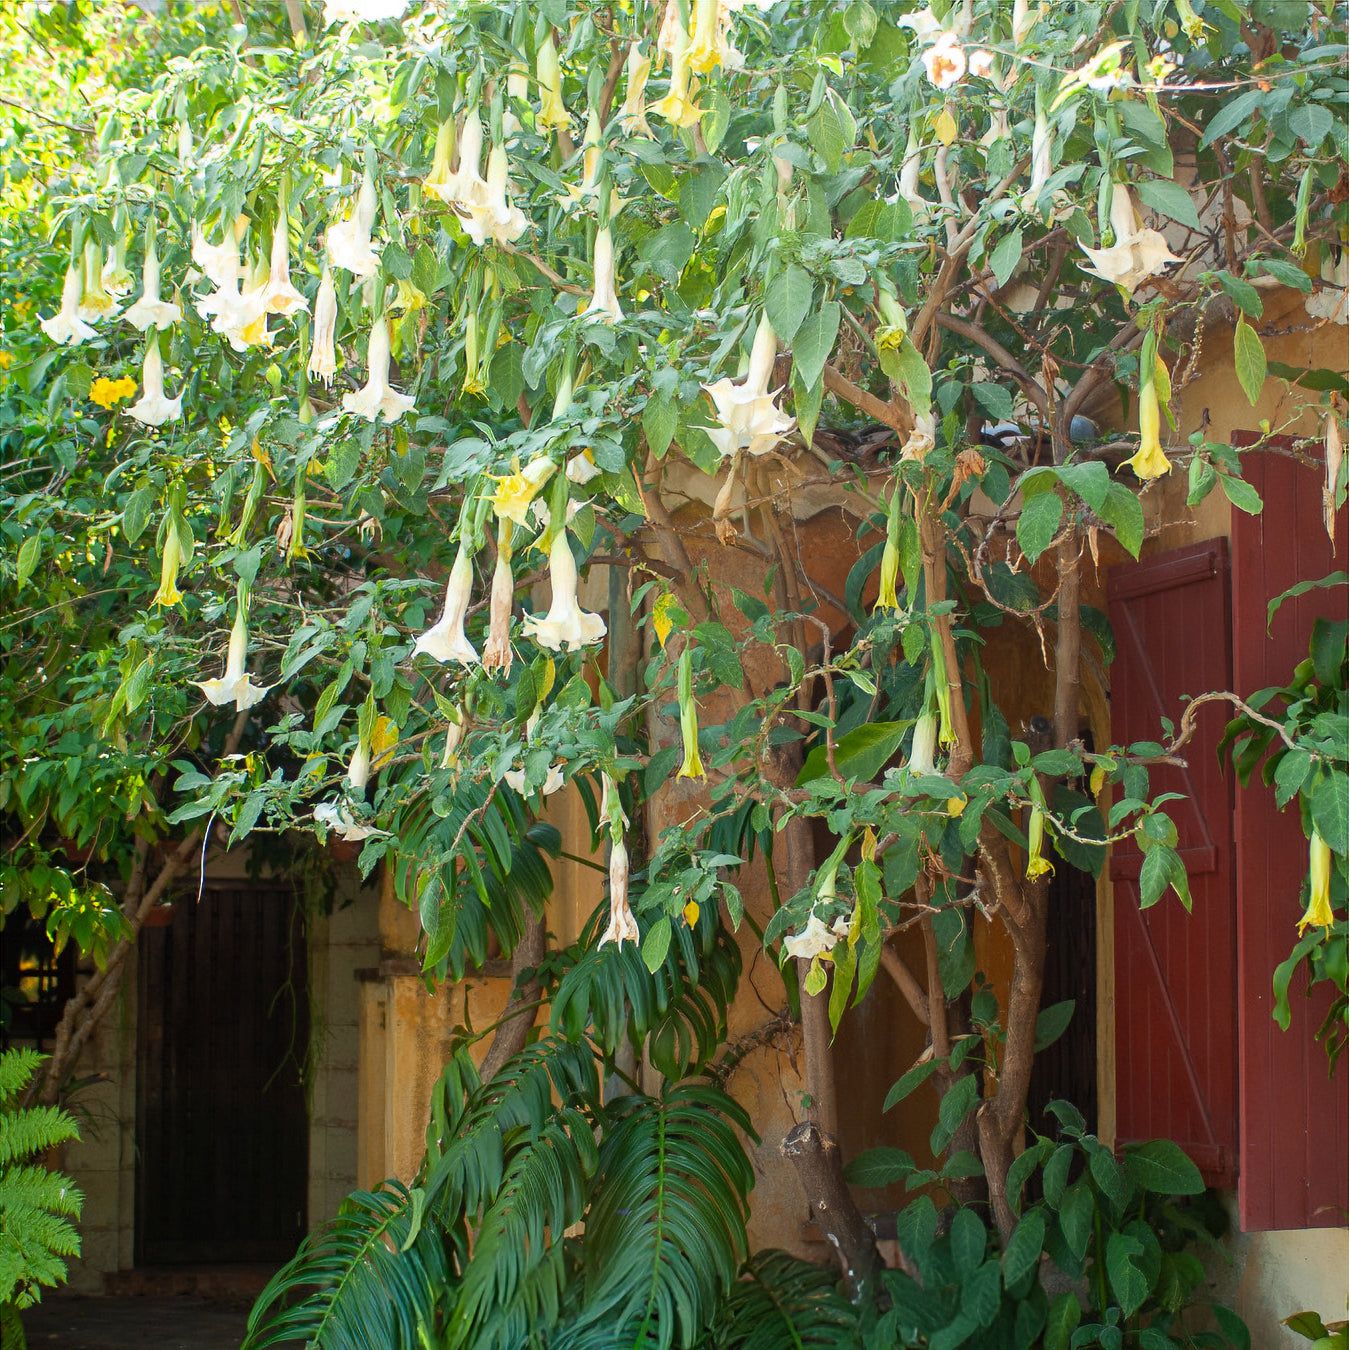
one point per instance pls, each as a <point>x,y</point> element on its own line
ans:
<point>486,212</point>
<point>439,183</point>
<point>117,281</point>
<point>95,303</point>
<point>150,309</point>
<point>633,113</point>
<point>676,106</point>
<point>280,297</point>
<point>604,299</point>
<point>349,242</point>
<point>814,940</point>
<point>234,686</point>
<point>323,352</point>
<point>377,397</point>
<point>362,11</point>
<point>945,61</point>
<point>552,111</point>
<point>511,501</point>
<point>566,625</point>
<point>1137,253</point>
<point>581,468</point>
<point>748,415</point>
<point>65,327</point>
<point>153,408</point>
<point>445,640</point>
<point>622,926</point>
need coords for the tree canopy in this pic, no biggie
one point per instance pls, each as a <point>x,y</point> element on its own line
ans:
<point>355,367</point>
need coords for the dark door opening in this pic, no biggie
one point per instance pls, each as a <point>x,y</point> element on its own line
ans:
<point>222,1128</point>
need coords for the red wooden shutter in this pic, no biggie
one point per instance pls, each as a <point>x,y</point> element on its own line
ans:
<point>1292,1171</point>
<point>1175,996</point>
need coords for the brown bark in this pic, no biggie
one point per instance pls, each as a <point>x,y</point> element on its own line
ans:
<point>820,1169</point>
<point>517,1023</point>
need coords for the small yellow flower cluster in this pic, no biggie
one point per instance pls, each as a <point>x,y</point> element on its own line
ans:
<point>106,392</point>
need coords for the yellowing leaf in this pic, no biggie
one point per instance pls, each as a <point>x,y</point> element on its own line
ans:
<point>663,616</point>
<point>944,127</point>
<point>383,741</point>
<point>1097,779</point>
<point>955,805</point>
<point>691,913</point>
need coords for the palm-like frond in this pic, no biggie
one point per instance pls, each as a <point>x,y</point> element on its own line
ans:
<point>472,1121</point>
<point>783,1303</point>
<point>682,1006</point>
<point>513,1281</point>
<point>372,1277</point>
<point>665,1234</point>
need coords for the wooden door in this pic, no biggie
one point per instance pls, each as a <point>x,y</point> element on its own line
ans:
<point>1175,975</point>
<point>223,1031</point>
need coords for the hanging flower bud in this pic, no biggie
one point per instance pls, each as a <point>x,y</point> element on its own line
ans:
<point>1037,864</point>
<point>1319,913</point>
<point>923,747</point>
<point>117,281</point>
<point>1335,455</point>
<point>604,300</point>
<point>349,243</point>
<point>295,545</point>
<point>280,297</point>
<point>890,556</point>
<point>692,767</point>
<point>445,640</point>
<point>323,353</point>
<point>497,650</point>
<point>96,303</point>
<point>168,593</point>
<point>552,112</point>
<point>454,737</point>
<point>517,96</point>
<point>633,113</point>
<point>1149,461</point>
<point>439,183</point>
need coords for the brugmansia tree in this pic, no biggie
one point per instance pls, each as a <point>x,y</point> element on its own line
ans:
<point>369,333</point>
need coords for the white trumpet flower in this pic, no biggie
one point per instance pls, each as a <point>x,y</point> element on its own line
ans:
<point>486,211</point>
<point>566,624</point>
<point>361,11</point>
<point>1137,253</point>
<point>279,296</point>
<point>153,408</point>
<point>445,640</point>
<point>322,352</point>
<point>747,411</point>
<point>814,940</point>
<point>605,300</point>
<point>377,396</point>
<point>65,327</point>
<point>234,686</point>
<point>150,309</point>
<point>95,303</point>
<point>337,815</point>
<point>622,926</point>
<point>553,781</point>
<point>349,243</point>
<point>117,281</point>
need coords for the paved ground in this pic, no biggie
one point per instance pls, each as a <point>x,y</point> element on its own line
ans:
<point>187,1322</point>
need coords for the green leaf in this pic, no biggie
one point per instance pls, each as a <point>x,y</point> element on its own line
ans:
<point>879,1167</point>
<point>1023,1252</point>
<point>342,463</point>
<point>136,513</point>
<point>1122,511</point>
<point>1076,1212</point>
<point>860,755</point>
<point>1302,588</point>
<point>659,420</point>
<point>1170,199</point>
<point>656,944</point>
<point>969,1237</point>
<point>1249,359</point>
<point>1052,1023</point>
<point>30,551</point>
<point>1091,481</point>
<point>1241,493</point>
<point>1128,1281</point>
<point>1007,253</point>
<point>698,194</point>
<point>1231,114</point>
<point>786,299</point>
<point>814,342</point>
<point>1311,123</point>
<point>1062,1321</point>
<point>1331,811</point>
<point>1160,1166</point>
<point>827,135</point>
<point>909,1081</point>
<point>1038,523</point>
<point>1162,868</point>
<point>980,1293</point>
<point>1243,294</point>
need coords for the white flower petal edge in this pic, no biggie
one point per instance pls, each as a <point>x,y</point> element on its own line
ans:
<point>566,624</point>
<point>233,686</point>
<point>153,409</point>
<point>445,640</point>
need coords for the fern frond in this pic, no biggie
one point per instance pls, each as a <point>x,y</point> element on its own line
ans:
<point>783,1303</point>
<point>665,1234</point>
<point>370,1278</point>
<point>16,1068</point>
<point>27,1133</point>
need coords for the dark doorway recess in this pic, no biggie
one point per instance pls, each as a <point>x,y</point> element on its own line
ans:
<point>221,1128</point>
<point>1067,1069</point>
